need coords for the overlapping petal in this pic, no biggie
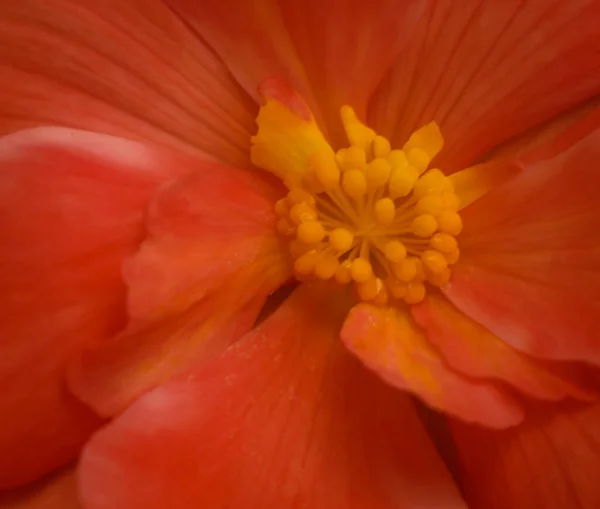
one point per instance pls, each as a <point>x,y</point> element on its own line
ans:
<point>530,264</point>
<point>286,418</point>
<point>131,69</point>
<point>71,209</point>
<point>488,71</point>
<point>196,284</point>
<point>391,344</point>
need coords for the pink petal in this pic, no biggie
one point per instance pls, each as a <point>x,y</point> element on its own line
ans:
<point>551,461</point>
<point>530,264</point>
<point>131,69</point>
<point>196,285</point>
<point>284,419</point>
<point>334,52</point>
<point>391,344</point>
<point>487,71</point>
<point>71,209</point>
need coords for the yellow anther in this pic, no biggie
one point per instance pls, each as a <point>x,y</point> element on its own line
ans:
<point>449,222</point>
<point>361,270</point>
<point>397,159</point>
<point>354,158</point>
<point>453,256</point>
<point>369,289</point>
<point>341,240</point>
<point>396,288</point>
<point>406,269</point>
<point>302,213</point>
<point>326,266</point>
<point>440,279</point>
<point>384,211</point>
<point>443,242</point>
<point>424,225</point>
<point>326,171</point>
<point>394,251</point>
<point>450,201</point>
<point>343,273</point>
<point>421,275</point>
<point>430,204</point>
<point>434,261</point>
<point>381,146</point>
<point>281,208</point>
<point>299,195</point>
<point>415,293</point>
<point>357,133</point>
<point>377,174</point>
<point>284,226</point>
<point>310,232</point>
<point>340,156</point>
<point>382,297</point>
<point>354,183</point>
<point>401,181</point>
<point>418,158</point>
<point>305,264</point>
<point>431,182</point>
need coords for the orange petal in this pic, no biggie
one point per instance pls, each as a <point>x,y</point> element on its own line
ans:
<point>389,343</point>
<point>71,209</point>
<point>333,52</point>
<point>488,71</point>
<point>471,349</point>
<point>530,262</point>
<point>550,461</point>
<point>284,419</point>
<point>59,491</point>
<point>196,285</point>
<point>131,69</point>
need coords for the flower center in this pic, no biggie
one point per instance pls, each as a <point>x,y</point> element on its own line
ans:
<point>373,217</point>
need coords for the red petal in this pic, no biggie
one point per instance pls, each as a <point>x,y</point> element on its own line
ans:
<point>530,265</point>
<point>71,209</point>
<point>130,69</point>
<point>285,419</point>
<point>551,461</point>
<point>389,343</point>
<point>333,52</point>
<point>59,491</point>
<point>471,349</point>
<point>195,286</point>
<point>488,71</point>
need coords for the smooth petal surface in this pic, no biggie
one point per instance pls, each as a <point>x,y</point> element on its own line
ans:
<point>196,285</point>
<point>71,209</point>
<point>551,461</point>
<point>284,419</point>
<point>530,264</point>
<point>131,69</point>
<point>488,71</point>
<point>390,343</point>
<point>471,349</point>
<point>333,52</point>
<point>58,491</point>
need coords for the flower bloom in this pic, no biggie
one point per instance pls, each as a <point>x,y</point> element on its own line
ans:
<point>426,174</point>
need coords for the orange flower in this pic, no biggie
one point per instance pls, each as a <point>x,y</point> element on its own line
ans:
<point>149,272</point>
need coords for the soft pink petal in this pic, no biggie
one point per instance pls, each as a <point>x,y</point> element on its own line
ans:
<point>128,68</point>
<point>285,419</point>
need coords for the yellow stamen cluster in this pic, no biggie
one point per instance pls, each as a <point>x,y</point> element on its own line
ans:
<point>374,217</point>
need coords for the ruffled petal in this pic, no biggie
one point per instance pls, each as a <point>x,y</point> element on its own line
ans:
<point>530,264</point>
<point>196,285</point>
<point>488,71</point>
<point>471,349</point>
<point>71,209</point>
<point>333,52</point>
<point>552,461</point>
<point>284,419</point>
<point>131,69</point>
<point>390,343</point>
<point>59,491</point>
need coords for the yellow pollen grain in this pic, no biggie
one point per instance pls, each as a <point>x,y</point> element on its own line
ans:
<point>440,279</point>
<point>384,210</point>
<point>284,226</point>
<point>415,293</point>
<point>302,212</point>
<point>405,270</point>
<point>430,204</point>
<point>453,256</point>
<point>369,289</point>
<point>402,181</point>
<point>377,174</point>
<point>424,225</point>
<point>450,201</point>
<point>299,195</point>
<point>310,232</point>
<point>354,158</point>
<point>434,261</point>
<point>449,222</point>
<point>305,264</point>
<point>381,146</point>
<point>443,242</point>
<point>431,182</point>
<point>341,240</point>
<point>418,158</point>
<point>394,251</point>
<point>361,270</point>
<point>354,183</point>
<point>326,266</point>
<point>343,273</point>
<point>397,289</point>
<point>397,159</point>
